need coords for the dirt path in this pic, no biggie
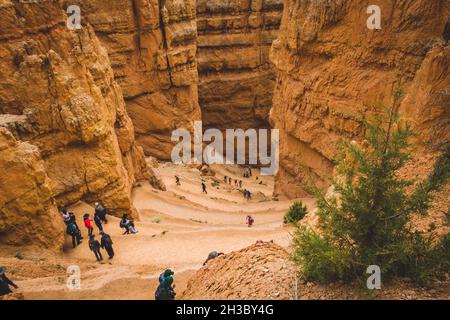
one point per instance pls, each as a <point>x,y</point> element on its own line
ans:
<point>177,230</point>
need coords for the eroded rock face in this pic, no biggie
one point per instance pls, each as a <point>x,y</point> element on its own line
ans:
<point>236,77</point>
<point>333,72</point>
<point>58,94</point>
<point>27,209</point>
<point>152,46</point>
<point>272,275</point>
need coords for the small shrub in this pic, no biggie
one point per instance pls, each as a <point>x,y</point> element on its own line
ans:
<point>295,213</point>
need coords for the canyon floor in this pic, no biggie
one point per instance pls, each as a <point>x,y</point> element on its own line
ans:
<point>177,230</point>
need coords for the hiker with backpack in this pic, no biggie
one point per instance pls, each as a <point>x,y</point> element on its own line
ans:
<point>250,221</point>
<point>94,245</point>
<point>101,212</point>
<point>98,222</point>
<point>165,290</point>
<point>106,243</point>
<point>88,224</point>
<point>75,233</point>
<point>128,225</point>
<point>165,274</point>
<point>73,220</point>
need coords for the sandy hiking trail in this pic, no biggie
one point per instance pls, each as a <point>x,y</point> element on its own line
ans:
<point>177,230</point>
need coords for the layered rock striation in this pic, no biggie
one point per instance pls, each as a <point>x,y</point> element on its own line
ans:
<point>236,79</point>
<point>66,134</point>
<point>333,72</point>
<point>152,48</point>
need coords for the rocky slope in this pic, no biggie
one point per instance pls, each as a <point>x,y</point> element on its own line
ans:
<point>236,77</point>
<point>58,96</point>
<point>261,271</point>
<point>333,72</point>
<point>151,45</point>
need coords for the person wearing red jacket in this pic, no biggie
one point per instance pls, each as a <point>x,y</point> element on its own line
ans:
<point>88,224</point>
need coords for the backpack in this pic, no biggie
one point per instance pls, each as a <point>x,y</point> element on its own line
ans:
<point>72,229</point>
<point>107,240</point>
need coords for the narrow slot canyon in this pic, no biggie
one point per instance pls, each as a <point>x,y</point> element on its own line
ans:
<point>87,116</point>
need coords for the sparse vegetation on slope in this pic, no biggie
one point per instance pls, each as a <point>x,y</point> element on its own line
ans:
<point>368,223</point>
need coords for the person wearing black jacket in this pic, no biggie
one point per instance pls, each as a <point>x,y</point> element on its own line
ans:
<point>5,283</point>
<point>106,243</point>
<point>101,212</point>
<point>98,222</point>
<point>94,245</point>
<point>73,220</point>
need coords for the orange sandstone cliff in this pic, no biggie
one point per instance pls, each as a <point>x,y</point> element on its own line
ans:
<point>333,72</point>
<point>236,78</point>
<point>65,132</point>
<point>152,46</point>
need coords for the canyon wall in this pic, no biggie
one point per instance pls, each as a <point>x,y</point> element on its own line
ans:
<point>236,79</point>
<point>66,134</point>
<point>152,46</point>
<point>333,72</point>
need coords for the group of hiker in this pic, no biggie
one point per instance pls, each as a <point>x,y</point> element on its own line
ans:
<point>74,231</point>
<point>203,184</point>
<point>229,180</point>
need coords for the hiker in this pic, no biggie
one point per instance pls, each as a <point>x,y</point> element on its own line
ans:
<point>94,245</point>
<point>106,243</point>
<point>165,274</point>
<point>98,222</point>
<point>204,187</point>
<point>250,221</point>
<point>128,225</point>
<point>177,180</point>
<point>229,180</point>
<point>101,212</point>
<point>75,233</point>
<point>249,195</point>
<point>5,283</point>
<point>225,179</point>
<point>88,224</point>
<point>65,215</point>
<point>249,171</point>
<point>240,183</point>
<point>73,219</point>
<point>235,182</point>
<point>165,290</point>
<point>212,255</point>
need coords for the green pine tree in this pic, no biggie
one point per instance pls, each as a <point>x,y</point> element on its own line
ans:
<point>367,223</point>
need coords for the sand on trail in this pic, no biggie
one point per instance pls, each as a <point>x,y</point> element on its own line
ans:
<point>177,229</point>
